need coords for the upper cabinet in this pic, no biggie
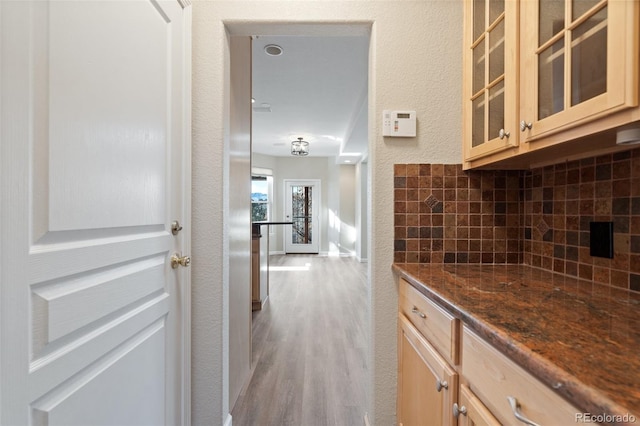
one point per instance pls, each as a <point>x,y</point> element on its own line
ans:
<point>490,65</point>
<point>570,71</point>
<point>577,62</point>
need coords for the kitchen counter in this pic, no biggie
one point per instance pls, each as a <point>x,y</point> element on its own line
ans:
<point>580,338</point>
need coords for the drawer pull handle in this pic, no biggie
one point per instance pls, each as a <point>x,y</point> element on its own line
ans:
<point>515,407</point>
<point>418,313</point>
<point>440,384</point>
<point>457,410</point>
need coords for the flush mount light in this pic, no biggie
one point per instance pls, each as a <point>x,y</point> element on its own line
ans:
<point>299,147</point>
<point>273,50</point>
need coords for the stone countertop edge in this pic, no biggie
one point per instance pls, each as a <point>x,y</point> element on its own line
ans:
<point>582,396</point>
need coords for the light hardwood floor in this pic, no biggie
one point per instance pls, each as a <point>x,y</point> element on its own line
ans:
<point>309,346</point>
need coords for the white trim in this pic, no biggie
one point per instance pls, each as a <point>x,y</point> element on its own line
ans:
<point>366,419</point>
<point>228,421</point>
<point>185,391</point>
<point>261,171</point>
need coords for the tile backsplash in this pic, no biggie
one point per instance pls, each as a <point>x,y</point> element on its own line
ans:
<point>538,217</point>
<point>443,214</point>
<point>560,202</point>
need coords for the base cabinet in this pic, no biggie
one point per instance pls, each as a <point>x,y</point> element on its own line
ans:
<point>471,411</point>
<point>484,388</point>
<point>507,390</point>
<point>427,385</point>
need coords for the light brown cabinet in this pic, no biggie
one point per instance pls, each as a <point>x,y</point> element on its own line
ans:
<point>470,411</point>
<point>570,71</point>
<point>427,385</point>
<point>448,377</point>
<point>508,391</point>
<point>490,85</point>
<point>427,343</point>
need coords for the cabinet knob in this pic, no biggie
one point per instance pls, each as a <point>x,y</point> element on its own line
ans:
<point>515,407</point>
<point>440,384</point>
<point>457,410</point>
<point>502,134</point>
<point>524,126</point>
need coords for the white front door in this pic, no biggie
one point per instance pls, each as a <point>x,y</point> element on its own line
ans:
<point>302,205</point>
<point>94,155</point>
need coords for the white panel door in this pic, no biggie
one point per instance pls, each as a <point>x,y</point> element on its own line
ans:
<point>302,206</point>
<point>94,154</point>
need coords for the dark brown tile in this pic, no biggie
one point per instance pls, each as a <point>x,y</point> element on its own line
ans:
<point>620,279</point>
<point>603,172</point>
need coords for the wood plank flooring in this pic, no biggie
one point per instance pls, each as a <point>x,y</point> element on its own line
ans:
<point>309,346</point>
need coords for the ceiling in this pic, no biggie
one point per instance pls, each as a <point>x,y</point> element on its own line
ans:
<point>316,89</point>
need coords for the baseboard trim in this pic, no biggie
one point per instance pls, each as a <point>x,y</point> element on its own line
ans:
<point>228,421</point>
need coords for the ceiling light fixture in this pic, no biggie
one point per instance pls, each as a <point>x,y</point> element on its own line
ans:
<point>299,147</point>
<point>273,50</point>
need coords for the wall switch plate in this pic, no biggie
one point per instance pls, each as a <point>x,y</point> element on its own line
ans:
<point>602,239</point>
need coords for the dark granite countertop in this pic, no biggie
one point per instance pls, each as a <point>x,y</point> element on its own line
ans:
<point>580,338</point>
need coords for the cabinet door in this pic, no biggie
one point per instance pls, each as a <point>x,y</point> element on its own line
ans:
<point>427,385</point>
<point>489,84</point>
<point>579,62</point>
<point>472,410</point>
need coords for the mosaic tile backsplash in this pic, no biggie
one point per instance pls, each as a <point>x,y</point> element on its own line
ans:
<point>539,217</point>
<point>443,214</point>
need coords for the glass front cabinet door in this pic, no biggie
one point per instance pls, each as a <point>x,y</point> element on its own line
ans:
<point>543,72</point>
<point>490,92</point>
<point>578,63</point>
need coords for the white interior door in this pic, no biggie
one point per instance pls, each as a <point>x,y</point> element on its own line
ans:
<point>94,127</point>
<point>302,205</point>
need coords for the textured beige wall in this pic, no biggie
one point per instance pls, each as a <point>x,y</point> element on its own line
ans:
<point>415,63</point>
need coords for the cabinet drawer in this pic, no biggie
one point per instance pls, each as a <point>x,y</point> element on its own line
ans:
<point>438,326</point>
<point>494,378</point>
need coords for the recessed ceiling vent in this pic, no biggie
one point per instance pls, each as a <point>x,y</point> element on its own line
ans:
<point>273,50</point>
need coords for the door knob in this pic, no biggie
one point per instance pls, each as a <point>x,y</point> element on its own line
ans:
<point>178,260</point>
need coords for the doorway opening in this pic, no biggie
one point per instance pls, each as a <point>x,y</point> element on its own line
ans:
<point>327,105</point>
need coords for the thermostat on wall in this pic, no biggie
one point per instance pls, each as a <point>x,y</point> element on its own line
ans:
<point>399,123</point>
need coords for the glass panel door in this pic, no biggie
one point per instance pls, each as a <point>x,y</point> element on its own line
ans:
<point>302,209</point>
<point>301,203</point>
<point>583,38</point>
<point>490,66</point>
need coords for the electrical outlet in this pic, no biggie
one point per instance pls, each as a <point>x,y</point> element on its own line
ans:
<point>602,239</point>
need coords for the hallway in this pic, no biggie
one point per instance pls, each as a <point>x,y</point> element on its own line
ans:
<point>309,346</point>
